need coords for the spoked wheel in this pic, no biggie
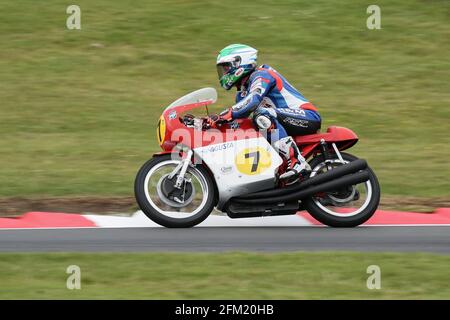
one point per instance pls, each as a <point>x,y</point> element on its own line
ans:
<point>164,203</point>
<point>349,206</point>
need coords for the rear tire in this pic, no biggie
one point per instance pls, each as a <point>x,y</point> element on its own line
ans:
<point>351,221</point>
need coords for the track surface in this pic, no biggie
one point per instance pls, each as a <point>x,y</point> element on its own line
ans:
<point>399,239</point>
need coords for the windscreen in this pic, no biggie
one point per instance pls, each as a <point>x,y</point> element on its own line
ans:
<point>201,95</point>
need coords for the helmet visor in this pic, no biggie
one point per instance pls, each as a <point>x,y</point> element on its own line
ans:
<point>223,69</point>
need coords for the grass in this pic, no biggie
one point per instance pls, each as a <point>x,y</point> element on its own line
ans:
<point>224,276</point>
<point>78,108</point>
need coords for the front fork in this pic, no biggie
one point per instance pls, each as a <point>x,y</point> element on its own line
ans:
<point>182,168</point>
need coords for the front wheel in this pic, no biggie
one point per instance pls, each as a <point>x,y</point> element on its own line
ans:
<point>167,205</point>
<point>348,206</point>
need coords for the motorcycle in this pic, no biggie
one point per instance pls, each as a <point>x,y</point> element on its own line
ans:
<point>232,167</point>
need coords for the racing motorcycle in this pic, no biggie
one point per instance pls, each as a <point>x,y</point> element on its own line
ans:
<point>232,167</point>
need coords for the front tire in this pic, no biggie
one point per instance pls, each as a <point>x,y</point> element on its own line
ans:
<point>316,206</point>
<point>165,211</point>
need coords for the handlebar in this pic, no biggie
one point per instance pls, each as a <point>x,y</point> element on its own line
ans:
<point>203,123</point>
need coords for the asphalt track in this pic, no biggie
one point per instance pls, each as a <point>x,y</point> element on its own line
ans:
<point>269,239</point>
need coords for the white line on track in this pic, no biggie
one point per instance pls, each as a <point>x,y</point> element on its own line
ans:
<point>265,226</point>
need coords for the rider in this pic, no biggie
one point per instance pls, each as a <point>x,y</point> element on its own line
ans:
<point>278,108</point>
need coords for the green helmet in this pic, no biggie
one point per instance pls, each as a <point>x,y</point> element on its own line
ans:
<point>234,62</point>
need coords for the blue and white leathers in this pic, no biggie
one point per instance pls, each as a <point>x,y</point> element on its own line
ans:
<point>275,104</point>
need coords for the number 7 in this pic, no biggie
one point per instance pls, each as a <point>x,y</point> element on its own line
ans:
<point>255,156</point>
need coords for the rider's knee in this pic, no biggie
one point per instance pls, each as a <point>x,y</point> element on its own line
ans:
<point>264,119</point>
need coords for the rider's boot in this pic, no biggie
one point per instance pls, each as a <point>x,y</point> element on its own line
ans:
<point>297,164</point>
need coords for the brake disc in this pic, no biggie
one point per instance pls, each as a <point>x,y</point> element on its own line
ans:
<point>172,196</point>
<point>343,197</point>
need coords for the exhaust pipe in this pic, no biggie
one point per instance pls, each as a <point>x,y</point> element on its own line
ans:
<point>347,180</point>
<point>338,172</point>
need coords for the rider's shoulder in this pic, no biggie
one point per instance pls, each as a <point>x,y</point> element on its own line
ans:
<point>262,71</point>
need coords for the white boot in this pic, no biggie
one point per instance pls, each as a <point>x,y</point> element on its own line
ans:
<point>297,164</point>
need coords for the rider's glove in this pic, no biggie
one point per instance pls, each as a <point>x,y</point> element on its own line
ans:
<point>211,121</point>
<point>215,120</point>
<point>226,114</point>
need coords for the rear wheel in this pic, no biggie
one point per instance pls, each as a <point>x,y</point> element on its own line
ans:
<point>346,207</point>
<point>167,205</point>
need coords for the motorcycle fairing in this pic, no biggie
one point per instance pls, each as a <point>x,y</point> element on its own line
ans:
<point>240,166</point>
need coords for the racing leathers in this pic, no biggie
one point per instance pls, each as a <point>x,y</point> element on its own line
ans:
<point>279,110</point>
